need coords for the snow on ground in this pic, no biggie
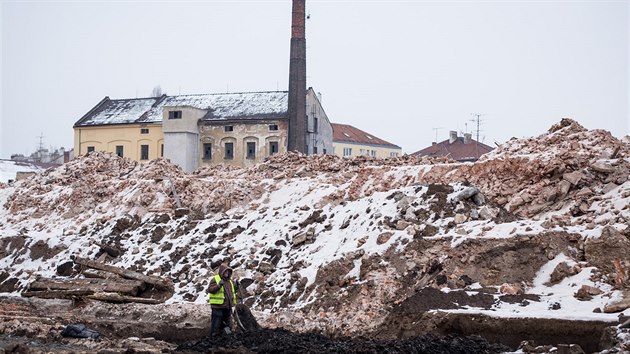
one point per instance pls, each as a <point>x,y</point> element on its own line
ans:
<point>9,169</point>
<point>292,219</point>
<point>557,301</point>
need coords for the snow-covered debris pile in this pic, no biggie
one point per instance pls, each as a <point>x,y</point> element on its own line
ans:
<point>100,182</point>
<point>566,168</point>
<point>333,244</point>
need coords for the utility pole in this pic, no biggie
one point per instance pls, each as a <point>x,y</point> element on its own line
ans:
<point>40,148</point>
<point>477,120</point>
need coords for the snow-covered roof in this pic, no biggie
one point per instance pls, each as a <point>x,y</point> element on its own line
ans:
<point>243,105</point>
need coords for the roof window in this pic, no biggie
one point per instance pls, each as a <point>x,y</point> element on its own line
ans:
<point>369,137</point>
<point>346,134</point>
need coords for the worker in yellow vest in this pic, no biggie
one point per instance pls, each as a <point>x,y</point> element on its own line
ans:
<point>221,298</point>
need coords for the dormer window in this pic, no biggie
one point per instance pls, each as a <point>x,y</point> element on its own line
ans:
<point>175,115</point>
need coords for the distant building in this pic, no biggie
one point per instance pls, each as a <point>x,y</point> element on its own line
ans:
<point>45,157</point>
<point>191,130</point>
<point>462,149</point>
<point>233,128</point>
<point>351,141</point>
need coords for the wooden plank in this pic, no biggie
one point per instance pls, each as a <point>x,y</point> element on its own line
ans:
<point>159,282</point>
<point>57,294</point>
<point>95,273</point>
<point>124,286</point>
<point>115,297</point>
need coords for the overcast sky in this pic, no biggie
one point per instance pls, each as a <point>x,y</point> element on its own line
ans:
<point>396,69</point>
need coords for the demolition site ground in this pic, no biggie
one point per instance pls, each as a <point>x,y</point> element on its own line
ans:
<point>527,248</point>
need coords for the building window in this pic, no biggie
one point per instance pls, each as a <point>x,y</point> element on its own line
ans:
<point>314,150</point>
<point>119,150</point>
<point>393,154</point>
<point>144,152</point>
<point>273,147</point>
<point>144,130</point>
<point>347,151</point>
<point>273,127</point>
<point>361,151</point>
<point>315,124</point>
<point>229,128</point>
<point>162,150</point>
<point>90,149</point>
<point>207,151</point>
<point>324,151</point>
<point>373,153</point>
<point>175,115</point>
<point>251,150</point>
<point>229,151</point>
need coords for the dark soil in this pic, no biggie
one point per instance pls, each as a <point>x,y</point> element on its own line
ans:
<point>282,341</point>
<point>430,298</point>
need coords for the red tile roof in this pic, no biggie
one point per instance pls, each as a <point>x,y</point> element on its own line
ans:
<point>456,150</point>
<point>344,133</point>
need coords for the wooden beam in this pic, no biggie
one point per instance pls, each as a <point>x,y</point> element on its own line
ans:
<point>95,273</point>
<point>57,294</point>
<point>124,286</point>
<point>159,282</point>
<point>115,297</point>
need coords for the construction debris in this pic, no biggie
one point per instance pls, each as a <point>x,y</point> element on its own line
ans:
<point>107,283</point>
<point>343,246</point>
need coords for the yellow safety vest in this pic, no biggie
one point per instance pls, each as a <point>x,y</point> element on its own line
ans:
<point>218,298</point>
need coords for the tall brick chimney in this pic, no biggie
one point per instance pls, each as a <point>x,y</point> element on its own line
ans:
<point>297,79</point>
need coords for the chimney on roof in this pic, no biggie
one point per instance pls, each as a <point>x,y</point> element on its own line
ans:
<point>467,138</point>
<point>452,136</point>
<point>297,79</point>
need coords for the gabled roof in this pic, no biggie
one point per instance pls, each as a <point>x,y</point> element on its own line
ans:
<point>243,105</point>
<point>457,150</point>
<point>344,133</point>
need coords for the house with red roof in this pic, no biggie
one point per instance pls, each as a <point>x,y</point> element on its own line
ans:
<point>351,141</point>
<point>462,149</point>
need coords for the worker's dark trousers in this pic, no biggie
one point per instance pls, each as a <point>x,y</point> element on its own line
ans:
<point>220,320</point>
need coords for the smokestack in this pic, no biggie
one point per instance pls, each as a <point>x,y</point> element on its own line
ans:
<point>297,79</point>
<point>467,138</point>
<point>452,136</point>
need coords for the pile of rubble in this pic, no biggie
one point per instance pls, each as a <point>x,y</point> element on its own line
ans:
<point>97,182</point>
<point>336,245</point>
<point>566,168</point>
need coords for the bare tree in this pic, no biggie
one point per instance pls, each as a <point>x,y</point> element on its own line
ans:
<point>157,91</point>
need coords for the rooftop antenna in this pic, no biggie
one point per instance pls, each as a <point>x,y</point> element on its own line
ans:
<point>436,132</point>
<point>477,119</point>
